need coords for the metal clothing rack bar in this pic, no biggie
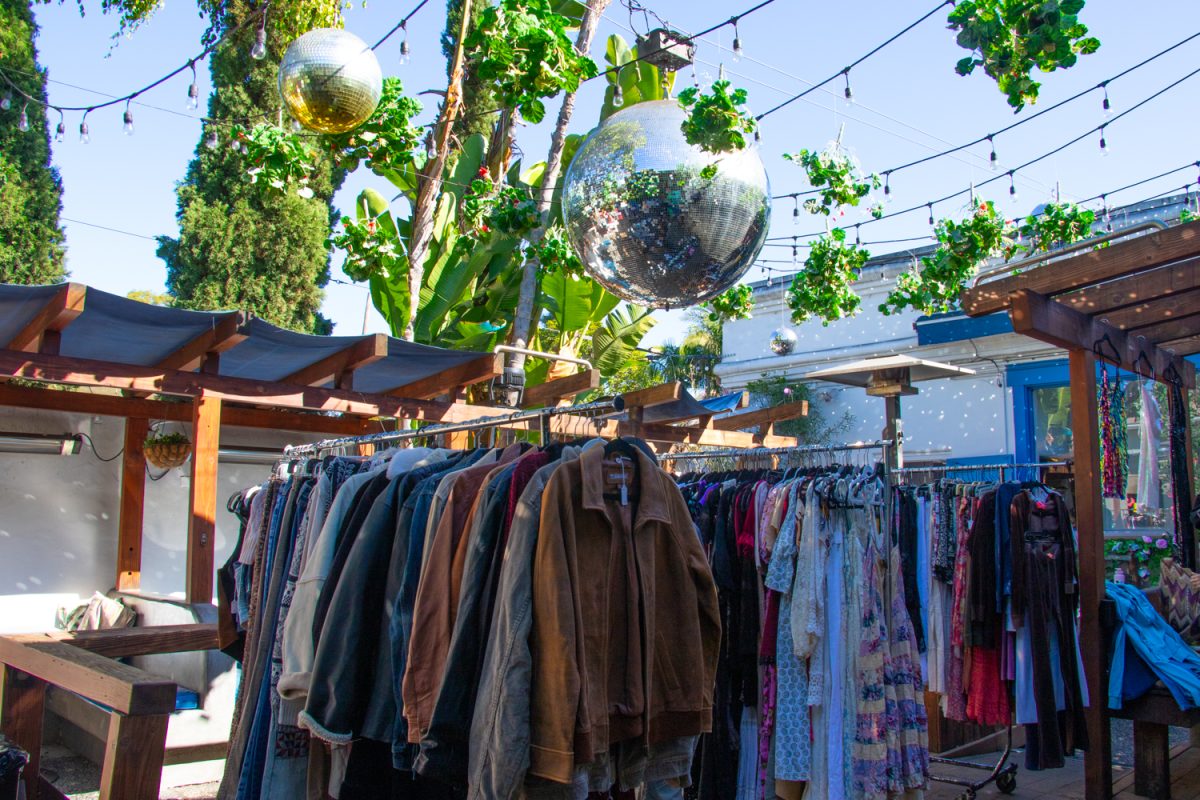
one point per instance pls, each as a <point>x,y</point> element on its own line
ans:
<point>770,451</point>
<point>542,415</point>
<point>999,467</point>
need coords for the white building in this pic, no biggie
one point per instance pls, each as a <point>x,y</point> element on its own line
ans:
<point>1002,413</point>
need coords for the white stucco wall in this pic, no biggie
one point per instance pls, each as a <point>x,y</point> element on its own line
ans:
<point>59,515</point>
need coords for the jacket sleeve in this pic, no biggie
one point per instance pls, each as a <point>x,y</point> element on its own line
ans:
<point>556,680</point>
<point>706,594</point>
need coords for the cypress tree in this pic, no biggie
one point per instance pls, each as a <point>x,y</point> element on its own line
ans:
<point>31,241</point>
<point>238,246</point>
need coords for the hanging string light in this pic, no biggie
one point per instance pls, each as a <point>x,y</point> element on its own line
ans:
<point>405,52</point>
<point>795,251</point>
<point>618,98</point>
<point>1106,104</point>
<point>737,42</point>
<point>84,135</point>
<point>259,51</point>
<point>211,141</point>
<point>857,236</point>
<point>1103,142</point>
<point>1012,187</point>
<point>128,119</point>
<point>193,90</point>
<point>23,119</point>
<point>887,187</point>
<point>931,220</point>
<point>1107,216</point>
<point>993,162</point>
<point>847,92</point>
<point>795,209</point>
<point>60,132</point>
<point>6,101</point>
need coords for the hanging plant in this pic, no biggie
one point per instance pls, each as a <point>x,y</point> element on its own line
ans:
<point>717,121</point>
<point>837,178</point>
<point>387,141</point>
<point>554,252</point>
<point>1009,38</point>
<point>522,48</point>
<point>734,303</point>
<point>963,247</point>
<point>1057,224</point>
<point>276,158</point>
<point>489,207</point>
<point>167,450</point>
<point>823,289</point>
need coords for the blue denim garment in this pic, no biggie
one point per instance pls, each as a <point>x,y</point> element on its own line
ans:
<point>1005,493</point>
<point>1144,632</point>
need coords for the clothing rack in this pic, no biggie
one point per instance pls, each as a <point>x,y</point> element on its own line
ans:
<point>882,444</point>
<point>1000,467</point>
<point>542,415</point>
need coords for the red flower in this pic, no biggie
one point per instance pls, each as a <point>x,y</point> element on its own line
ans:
<point>483,172</point>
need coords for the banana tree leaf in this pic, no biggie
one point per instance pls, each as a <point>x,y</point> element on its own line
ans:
<point>571,9</point>
<point>404,179</point>
<point>372,202</point>
<point>568,299</point>
<point>603,302</point>
<point>444,216</point>
<point>466,168</point>
<point>533,175</point>
<point>570,147</point>
<point>614,342</point>
<point>449,288</point>
<point>390,297</point>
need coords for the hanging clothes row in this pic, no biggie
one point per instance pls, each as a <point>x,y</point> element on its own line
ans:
<point>995,572</point>
<point>818,682</point>
<point>486,623</point>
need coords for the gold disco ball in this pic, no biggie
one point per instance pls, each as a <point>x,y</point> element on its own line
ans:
<point>330,80</point>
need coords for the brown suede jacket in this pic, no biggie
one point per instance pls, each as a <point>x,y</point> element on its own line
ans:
<point>626,627</point>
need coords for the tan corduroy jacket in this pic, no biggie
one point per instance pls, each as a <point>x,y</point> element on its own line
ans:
<point>626,627</point>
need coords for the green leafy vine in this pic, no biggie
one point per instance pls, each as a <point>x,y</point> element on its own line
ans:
<point>734,303</point>
<point>1010,38</point>
<point>823,288</point>
<point>717,121</point>
<point>837,179</point>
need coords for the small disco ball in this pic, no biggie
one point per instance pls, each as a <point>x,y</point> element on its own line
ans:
<point>783,341</point>
<point>330,80</point>
<point>645,223</point>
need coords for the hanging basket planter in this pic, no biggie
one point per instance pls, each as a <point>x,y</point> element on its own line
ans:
<point>167,451</point>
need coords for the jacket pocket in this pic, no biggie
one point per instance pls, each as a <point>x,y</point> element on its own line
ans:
<point>666,685</point>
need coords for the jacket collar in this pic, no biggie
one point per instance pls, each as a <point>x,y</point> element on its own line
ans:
<point>652,501</point>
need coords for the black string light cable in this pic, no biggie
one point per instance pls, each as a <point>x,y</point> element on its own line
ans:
<point>1102,86</point>
<point>844,72</point>
<point>1008,175</point>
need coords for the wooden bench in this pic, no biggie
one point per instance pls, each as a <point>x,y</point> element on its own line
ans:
<point>83,663</point>
<point>1152,714</point>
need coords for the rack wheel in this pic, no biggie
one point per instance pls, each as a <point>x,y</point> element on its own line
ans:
<point>1006,782</point>
<point>969,794</point>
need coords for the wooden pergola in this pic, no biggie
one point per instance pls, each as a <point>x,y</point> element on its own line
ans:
<point>1134,304</point>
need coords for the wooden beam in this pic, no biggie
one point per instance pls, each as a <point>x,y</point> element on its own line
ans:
<point>1148,301</point>
<point>762,416</point>
<point>231,416</point>
<point>654,395</point>
<point>551,392</point>
<point>133,500</point>
<point>1089,517</point>
<point>119,686</point>
<point>42,333</point>
<point>123,642</point>
<point>1088,269</point>
<point>609,428</point>
<point>22,715</point>
<point>228,330</point>
<point>338,368</point>
<point>133,757</point>
<point>1049,321</point>
<point>87,372</point>
<point>467,373</point>
<point>1171,329</point>
<point>202,499</point>
<point>1182,347</point>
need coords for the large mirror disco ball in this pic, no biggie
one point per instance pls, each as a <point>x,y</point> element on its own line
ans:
<point>644,222</point>
<point>330,80</point>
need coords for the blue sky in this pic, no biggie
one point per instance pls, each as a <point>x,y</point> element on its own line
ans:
<point>908,104</point>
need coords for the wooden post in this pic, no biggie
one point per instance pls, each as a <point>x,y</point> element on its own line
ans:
<point>894,431</point>
<point>133,757</point>
<point>1089,517</point>
<point>202,524</point>
<point>1187,536</point>
<point>133,500</point>
<point>22,708</point>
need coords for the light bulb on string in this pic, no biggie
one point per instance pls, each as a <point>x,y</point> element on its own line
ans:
<point>259,51</point>
<point>847,92</point>
<point>193,101</point>
<point>1106,104</point>
<point>931,220</point>
<point>405,51</point>
<point>128,117</point>
<point>618,98</point>
<point>84,135</point>
<point>857,236</point>
<point>23,119</point>
<point>795,251</point>
<point>795,209</point>
<point>60,132</point>
<point>1012,188</point>
<point>212,142</point>
<point>737,43</point>
<point>6,101</point>
<point>887,187</point>
<point>695,77</point>
<point>1104,149</point>
<point>992,160</point>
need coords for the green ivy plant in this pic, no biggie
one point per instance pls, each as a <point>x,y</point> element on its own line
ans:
<point>370,241</point>
<point>522,48</point>
<point>823,288</point>
<point>1187,215</point>
<point>717,121</point>
<point>962,248</point>
<point>490,208</point>
<point>734,303</point>
<point>554,252</point>
<point>837,179</point>
<point>1057,224</point>
<point>1009,38</point>
<point>276,158</point>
